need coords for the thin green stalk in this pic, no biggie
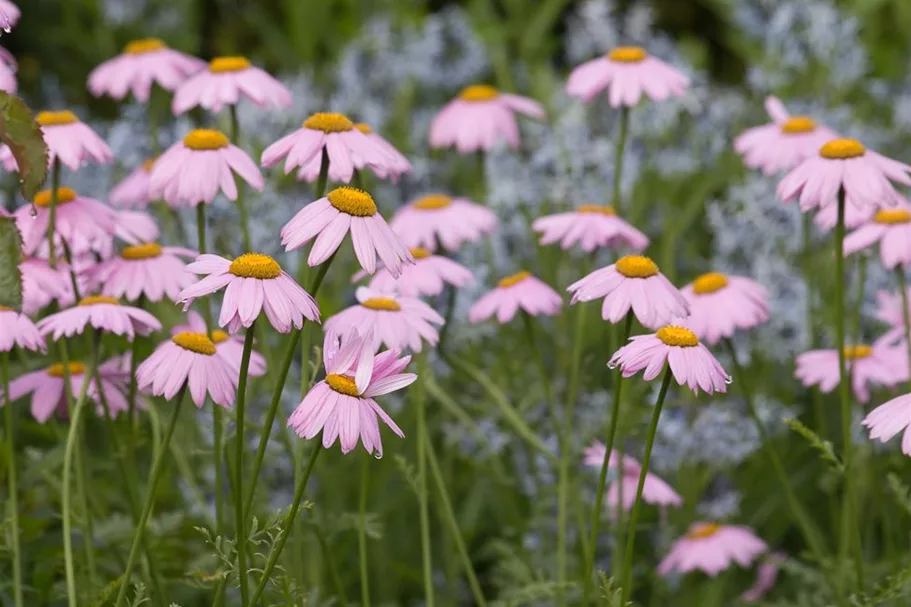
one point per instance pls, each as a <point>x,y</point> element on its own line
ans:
<point>52,213</point>
<point>627,576</point>
<point>447,316</point>
<point>239,443</point>
<point>420,402</point>
<point>362,535</point>
<point>906,313</point>
<point>241,203</point>
<point>618,159</point>
<point>154,478</point>
<point>12,484</point>
<point>131,391</point>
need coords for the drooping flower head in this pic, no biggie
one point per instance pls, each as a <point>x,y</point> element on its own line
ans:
<point>712,548</point>
<point>876,364</point>
<point>589,226</point>
<point>633,283</point>
<point>103,313</point>
<point>188,358</point>
<point>891,228</point>
<point>224,82</point>
<point>146,270</point>
<point>720,304</point>
<point>143,63</point>
<point>344,210</point>
<point>844,164</point>
<point>342,405</point>
<point>195,169</point>
<point>889,310</point>
<point>255,283</point>
<point>427,277</point>
<point>396,321</point>
<point>70,141</point>
<point>783,144</point>
<point>690,361</point>
<point>440,218</point>
<point>480,117</point>
<point>519,291</point>
<point>887,420</point>
<point>133,191</point>
<point>17,329</point>
<point>347,146</point>
<point>84,223</point>
<point>229,347</point>
<point>629,72</point>
<point>655,491</point>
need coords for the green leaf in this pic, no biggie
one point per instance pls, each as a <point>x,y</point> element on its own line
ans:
<point>20,132</point>
<point>10,256</point>
<point>900,491</point>
<point>824,447</point>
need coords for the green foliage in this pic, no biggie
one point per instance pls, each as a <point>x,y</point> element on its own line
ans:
<point>10,256</point>
<point>900,491</point>
<point>823,447</point>
<point>20,132</point>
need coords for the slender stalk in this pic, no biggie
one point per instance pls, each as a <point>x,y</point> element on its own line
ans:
<point>52,213</point>
<point>362,534</point>
<point>906,313</point>
<point>241,203</point>
<point>618,159</point>
<point>154,478</point>
<point>239,521</point>
<point>12,484</point>
<point>627,576</point>
<point>447,316</point>
<point>131,391</point>
<point>420,403</point>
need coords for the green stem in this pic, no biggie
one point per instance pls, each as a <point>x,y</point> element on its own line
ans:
<point>362,531</point>
<point>627,576</point>
<point>447,316</point>
<point>154,478</point>
<point>906,313</point>
<point>52,213</point>
<point>618,159</point>
<point>239,443</point>
<point>420,403</point>
<point>12,484</point>
<point>241,204</point>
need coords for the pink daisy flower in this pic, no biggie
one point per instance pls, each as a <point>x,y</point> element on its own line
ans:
<point>891,228</point>
<point>630,72</point>
<point>8,67</point>
<point>591,227</point>
<point>10,14</point>
<point>342,210</point>
<point>194,170</point>
<point>855,216</point>
<point>16,329</point>
<point>712,548</point>
<point>633,283</point>
<point>889,310</point>
<point>397,321</point>
<point>84,223</point>
<point>142,63</point>
<point>479,117</point>
<point>690,361</point>
<point>876,364</point>
<point>426,277</point>
<point>844,164</point>
<point>42,284</point>
<point>70,141</point>
<point>188,358</point>
<point>103,313</point>
<point>439,218</point>
<point>228,347</point>
<point>255,283</point>
<point>721,304</point>
<point>890,418</point>
<point>783,144</point>
<point>347,145</point>
<point>342,405</point>
<point>655,491</point>
<point>135,227</point>
<point>521,290</point>
<point>148,270</point>
<point>133,191</point>
<point>226,80</point>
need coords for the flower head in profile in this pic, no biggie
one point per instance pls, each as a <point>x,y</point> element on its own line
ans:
<point>439,218</point>
<point>342,405</point>
<point>427,277</point>
<point>876,364</point>
<point>195,169</point>
<point>255,283</point>
<point>103,313</point>
<point>844,164</point>
<point>229,347</point>
<point>889,310</point>
<point>633,283</point>
<point>891,228</point>
<point>226,80</point>
<point>712,548</point>
<point>143,63</point>
<point>479,118</point>
<point>17,329</point>
<point>628,73</point>
<point>70,141</point>
<point>690,361</point>
<point>720,304</point>
<point>331,217</point>
<point>348,146</point>
<point>42,284</point>
<point>133,191</point>
<point>145,270</point>
<point>396,321</point>
<point>188,359</point>
<point>783,144</point>
<point>591,227</point>
<point>84,223</point>
<point>655,491</point>
<point>519,291</point>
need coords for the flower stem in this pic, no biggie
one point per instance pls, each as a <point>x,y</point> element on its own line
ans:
<point>362,531</point>
<point>241,204</point>
<point>12,484</point>
<point>239,444</point>
<point>627,576</point>
<point>52,213</point>
<point>906,313</point>
<point>618,159</point>
<point>420,402</point>
<point>447,316</point>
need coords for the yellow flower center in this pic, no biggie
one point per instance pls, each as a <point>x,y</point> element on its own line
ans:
<point>206,139</point>
<point>636,266</point>
<point>511,281</point>
<point>432,202</point>
<point>6,309</point>
<point>148,250</point>
<point>709,283</point>
<point>383,304</point>
<point>420,253</point>
<point>328,122</point>
<point>64,195</point>
<point>598,209</point>
<point>678,336</point>
<point>56,118</point>
<point>892,216</point>
<point>855,352</point>
<point>195,342</point>
<point>93,300</point>
<point>798,124</point>
<point>220,65</point>
<point>352,201</point>
<point>842,149</point>
<point>479,92</point>
<point>628,54</point>
<point>255,265</point>
<point>363,127</point>
<point>148,164</point>
<point>219,336</point>
<point>342,384</point>
<point>57,369</point>
<point>703,530</point>
<point>144,45</point>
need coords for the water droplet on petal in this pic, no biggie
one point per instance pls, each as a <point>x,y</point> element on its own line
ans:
<point>33,212</point>
<point>378,454</point>
<point>728,380</point>
<point>612,364</point>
